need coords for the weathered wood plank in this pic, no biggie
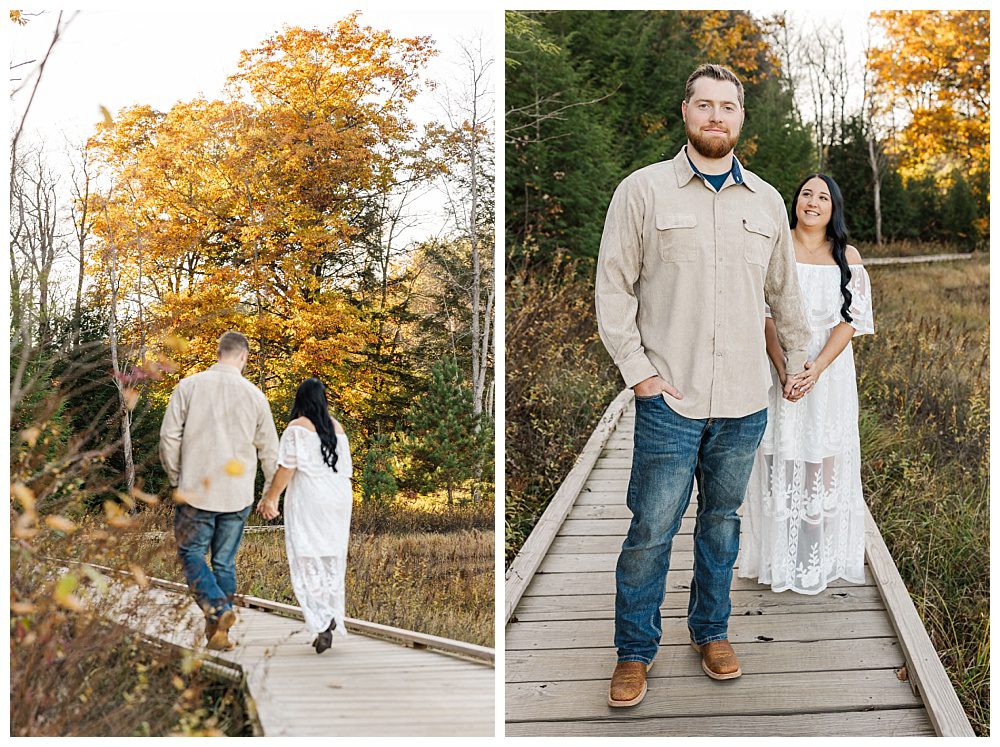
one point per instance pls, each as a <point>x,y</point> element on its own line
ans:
<point>927,673</point>
<point>596,562</point>
<point>561,584</point>
<point>679,660</point>
<point>567,544</point>
<point>606,561</point>
<point>297,693</point>
<point>601,606</point>
<point>910,722</point>
<point>615,527</point>
<point>523,567</point>
<point>742,629</point>
<point>785,693</point>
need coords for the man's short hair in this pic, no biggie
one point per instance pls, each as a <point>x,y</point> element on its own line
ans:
<point>233,343</point>
<point>716,72</point>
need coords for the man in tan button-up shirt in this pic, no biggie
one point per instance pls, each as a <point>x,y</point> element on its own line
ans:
<point>216,426</point>
<point>692,250</point>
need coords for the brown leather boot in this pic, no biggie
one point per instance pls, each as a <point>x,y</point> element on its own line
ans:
<point>628,684</point>
<point>218,634</point>
<point>718,660</point>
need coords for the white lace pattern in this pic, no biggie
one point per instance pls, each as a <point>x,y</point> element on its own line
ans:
<point>317,525</point>
<point>803,523</point>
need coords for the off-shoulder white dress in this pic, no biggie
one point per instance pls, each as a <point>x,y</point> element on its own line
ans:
<point>804,517</point>
<point>317,525</point>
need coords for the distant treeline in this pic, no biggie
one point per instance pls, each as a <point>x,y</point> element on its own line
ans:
<point>594,95</point>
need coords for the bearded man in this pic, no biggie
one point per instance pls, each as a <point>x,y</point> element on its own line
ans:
<point>692,250</point>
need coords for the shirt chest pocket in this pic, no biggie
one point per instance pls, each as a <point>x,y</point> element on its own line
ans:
<point>676,235</point>
<point>758,239</point>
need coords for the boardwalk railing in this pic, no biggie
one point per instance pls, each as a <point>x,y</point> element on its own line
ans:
<point>531,554</point>
<point>410,638</point>
<point>384,682</point>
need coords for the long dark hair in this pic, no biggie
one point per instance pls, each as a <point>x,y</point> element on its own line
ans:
<point>310,402</point>
<point>836,231</point>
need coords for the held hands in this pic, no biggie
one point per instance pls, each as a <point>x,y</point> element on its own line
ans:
<point>268,508</point>
<point>653,386</point>
<point>797,386</point>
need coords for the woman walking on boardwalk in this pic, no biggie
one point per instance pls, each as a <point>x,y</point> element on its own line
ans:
<point>314,461</point>
<point>804,512</point>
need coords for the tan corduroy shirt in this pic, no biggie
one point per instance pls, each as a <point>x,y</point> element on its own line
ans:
<point>216,426</point>
<point>682,278</point>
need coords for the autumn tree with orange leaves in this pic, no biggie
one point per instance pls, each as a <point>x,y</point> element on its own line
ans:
<point>258,211</point>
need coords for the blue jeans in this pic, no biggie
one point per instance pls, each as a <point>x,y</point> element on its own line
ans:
<point>198,531</point>
<point>670,453</point>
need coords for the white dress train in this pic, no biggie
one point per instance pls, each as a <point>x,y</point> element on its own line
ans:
<point>317,525</point>
<point>804,517</point>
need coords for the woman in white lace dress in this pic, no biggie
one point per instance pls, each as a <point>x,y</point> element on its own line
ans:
<point>314,461</point>
<point>804,515</point>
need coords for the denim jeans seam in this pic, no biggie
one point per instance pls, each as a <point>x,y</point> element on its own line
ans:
<point>711,638</point>
<point>634,657</point>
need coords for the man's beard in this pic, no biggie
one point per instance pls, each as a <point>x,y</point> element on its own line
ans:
<point>712,146</point>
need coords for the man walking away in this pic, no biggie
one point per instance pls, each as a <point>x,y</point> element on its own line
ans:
<point>216,427</point>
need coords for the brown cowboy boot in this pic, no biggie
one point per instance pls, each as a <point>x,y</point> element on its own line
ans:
<point>628,684</point>
<point>218,631</point>
<point>718,659</point>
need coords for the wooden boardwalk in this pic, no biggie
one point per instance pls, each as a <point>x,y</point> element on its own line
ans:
<point>365,685</point>
<point>854,660</point>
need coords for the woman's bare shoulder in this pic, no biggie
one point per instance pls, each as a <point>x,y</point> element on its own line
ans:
<point>337,427</point>
<point>853,255</point>
<point>304,422</point>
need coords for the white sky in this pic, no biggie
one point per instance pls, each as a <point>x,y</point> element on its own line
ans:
<point>116,58</point>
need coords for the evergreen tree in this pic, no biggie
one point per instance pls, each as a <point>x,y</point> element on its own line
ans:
<point>445,445</point>
<point>958,214</point>
<point>378,478</point>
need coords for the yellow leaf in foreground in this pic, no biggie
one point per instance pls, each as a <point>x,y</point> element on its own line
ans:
<point>131,397</point>
<point>144,497</point>
<point>60,524</point>
<point>177,682</point>
<point>22,608</point>
<point>24,527</point>
<point>30,435</point>
<point>139,575</point>
<point>234,468</point>
<point>64,596</point>
<point>24,494</point>
<point>121,522</point>
<point>107,115</point>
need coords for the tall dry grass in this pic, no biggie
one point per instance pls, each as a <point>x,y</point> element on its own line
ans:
<point>74,671</point>
<point>923,383</point>
<point>559,380</point>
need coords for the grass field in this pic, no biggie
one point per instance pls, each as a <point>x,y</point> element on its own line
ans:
<point>923,383</point>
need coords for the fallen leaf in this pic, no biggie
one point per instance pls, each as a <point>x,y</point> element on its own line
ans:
<point>22,608</point>
<point>901,674</point>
